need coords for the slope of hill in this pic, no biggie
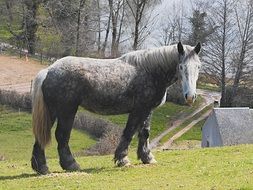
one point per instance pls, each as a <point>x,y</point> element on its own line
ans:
<point>220,168</point>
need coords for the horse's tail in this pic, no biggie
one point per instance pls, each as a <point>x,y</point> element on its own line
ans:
<point>41,120</point>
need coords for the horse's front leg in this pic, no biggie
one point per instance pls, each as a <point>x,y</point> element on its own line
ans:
<point>135,120</point>
<point>62,133</point>
<point>143,151</point>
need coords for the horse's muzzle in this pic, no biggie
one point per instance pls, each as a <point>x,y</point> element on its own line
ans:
<point>190,99</point>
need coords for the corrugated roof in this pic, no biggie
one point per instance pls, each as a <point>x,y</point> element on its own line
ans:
<point>235,125</point>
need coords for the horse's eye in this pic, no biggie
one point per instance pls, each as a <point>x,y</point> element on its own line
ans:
<point>180,67</point>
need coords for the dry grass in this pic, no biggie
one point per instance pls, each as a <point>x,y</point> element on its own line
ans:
<point>107,133</point>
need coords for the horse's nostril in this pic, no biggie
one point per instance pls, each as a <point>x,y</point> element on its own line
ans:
<point>185,96</point>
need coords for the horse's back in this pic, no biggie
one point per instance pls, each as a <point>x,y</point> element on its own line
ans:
<point>103,86</point>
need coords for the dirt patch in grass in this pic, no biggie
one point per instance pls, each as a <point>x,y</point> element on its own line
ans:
<point>2,158</point>
<point>17,74</point>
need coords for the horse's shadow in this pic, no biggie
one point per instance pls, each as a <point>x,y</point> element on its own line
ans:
<point>20,176</point>
<point>54,173</point>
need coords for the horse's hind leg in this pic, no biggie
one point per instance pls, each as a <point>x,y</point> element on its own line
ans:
<point>62,134</point>
<point>38,160</point>
<point>143,151</point>
<point>135,120</point>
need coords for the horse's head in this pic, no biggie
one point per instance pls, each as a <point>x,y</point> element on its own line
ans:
<point>189,65</point>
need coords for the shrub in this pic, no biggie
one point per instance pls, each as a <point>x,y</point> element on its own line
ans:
<point>107,144</point>
<point>108,133</point>
<point>244,97</point>
<point>16,100</point>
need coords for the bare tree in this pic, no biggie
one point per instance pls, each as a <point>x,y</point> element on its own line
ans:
<point>243,57</point>
<point>139,11</point>
<point>9,7</point>
<point>218,51</point>
<point>117,12</point>
<point>31,23</point>
<point>27,10</point>
<point>75,22</point>
<point>171,28</point>
<point>103,26</point>
<point>79,11</point>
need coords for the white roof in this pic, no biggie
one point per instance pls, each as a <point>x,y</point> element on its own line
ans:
<point>235,125</point>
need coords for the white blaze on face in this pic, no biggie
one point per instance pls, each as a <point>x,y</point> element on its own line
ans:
<point>189,70</point>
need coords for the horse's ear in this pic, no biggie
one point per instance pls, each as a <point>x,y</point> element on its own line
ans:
<point>197,48</point>
<point>180,48</point>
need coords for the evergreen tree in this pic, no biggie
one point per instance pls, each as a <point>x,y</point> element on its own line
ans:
<point>199,30</point>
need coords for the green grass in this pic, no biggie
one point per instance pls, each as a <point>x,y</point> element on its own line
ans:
<point>194,133</point>
<point>183,125</point>
<point>16,138</point>
<point>15,130</point>
<point>211,168</point>
<point>207,86</point>
<point>200,169</point>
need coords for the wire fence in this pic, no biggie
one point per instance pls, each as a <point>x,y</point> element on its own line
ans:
<point>14,99</point>
<point>20,88</point>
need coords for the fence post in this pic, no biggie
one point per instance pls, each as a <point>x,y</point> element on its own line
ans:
<point>31,86</point>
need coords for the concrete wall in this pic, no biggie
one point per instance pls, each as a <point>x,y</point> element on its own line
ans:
<point>210,133</point>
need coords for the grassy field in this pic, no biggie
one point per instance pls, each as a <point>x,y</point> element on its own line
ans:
<point>213,168</point>
<point>16,133</point>
<point>208,86</point>
<point>194,133</point>
<point>16,139</point>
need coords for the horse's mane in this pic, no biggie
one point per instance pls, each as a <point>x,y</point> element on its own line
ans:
<point>163,57</point>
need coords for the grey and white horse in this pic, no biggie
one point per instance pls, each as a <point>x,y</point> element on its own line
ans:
<point>135,83</point>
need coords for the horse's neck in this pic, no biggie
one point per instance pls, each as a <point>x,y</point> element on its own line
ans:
<point>162,63</point>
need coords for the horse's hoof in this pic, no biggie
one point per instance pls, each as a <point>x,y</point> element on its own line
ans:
<point>124,162</point>
<point>149,160</point>
<point>43,170</point>
<point>73,167</point>
<point>152,161</point>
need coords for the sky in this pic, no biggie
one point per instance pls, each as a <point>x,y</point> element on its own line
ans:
<point>162,12</point>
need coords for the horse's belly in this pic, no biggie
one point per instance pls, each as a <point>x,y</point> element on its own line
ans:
<point>108,105</point>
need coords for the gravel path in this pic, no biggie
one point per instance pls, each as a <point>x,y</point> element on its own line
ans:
<point>209,99</point>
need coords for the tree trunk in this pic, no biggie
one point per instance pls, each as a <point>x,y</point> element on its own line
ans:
<point>138,14</point>
<point>81,5</point>
<point>245,32</point>
<point>99,29</point>
<point>31,24</point>
<point>106,36</point>
<point>114,28</point>
<point>9,5</point>
<point>120,28</point>
<point>223,101</point>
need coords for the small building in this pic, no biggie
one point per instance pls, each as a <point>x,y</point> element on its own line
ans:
<point>228,126</point>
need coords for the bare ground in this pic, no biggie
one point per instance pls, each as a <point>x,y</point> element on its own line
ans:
<point>17,74</point>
